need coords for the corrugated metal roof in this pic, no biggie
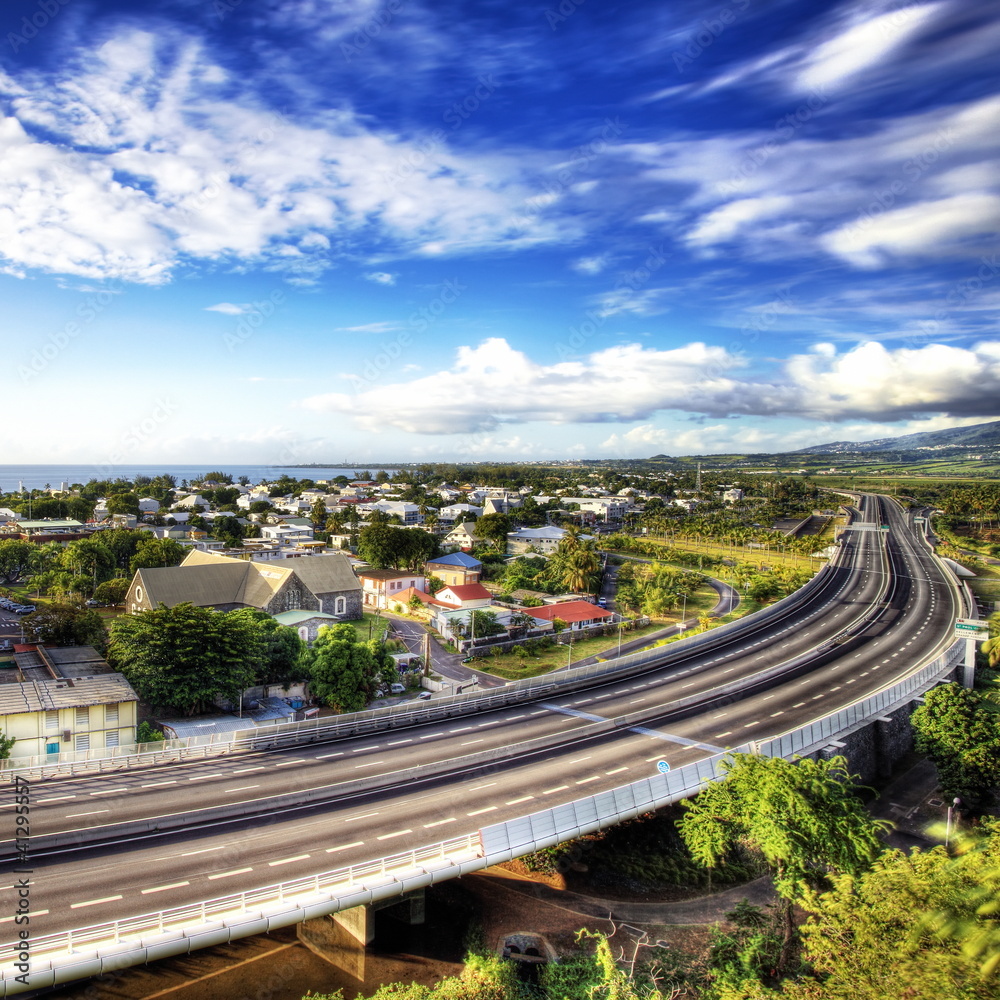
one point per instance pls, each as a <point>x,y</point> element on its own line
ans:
<point>79,692</point>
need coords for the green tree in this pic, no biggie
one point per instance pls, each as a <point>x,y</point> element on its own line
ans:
<point>184,657</point>
<point>803,816</point>
<point>16,558</point>
<point>961,734</point>
<point>88,557</point>
<point>346,673</point>
<point>123,503</point>
<point>6,745</point>
<point>493,528</point>
<point>282,652</point>
<point>153,552</point>
<point>66,625</point>
<point>920,925</point>
<point>112,592</point>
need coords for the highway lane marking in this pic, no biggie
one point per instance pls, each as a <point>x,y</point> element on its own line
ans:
<point>339,753</point>
<point>430,736</point>
<point>109,791</point>
<point>469,743</point>
<point>34,913</point>
<point>204,850</point>
<point>579,760</point>
<point>242,788</point>
<point>351,819</point>
<point>345,847</point>
<point>94,902</point>
<point>461,729</point>
<point>56,798</point>
<point>398,743</point>
<point>204,777</point>
<point>479,812</point>
<point>747,725</point>
<point>719,736</point>
<point>720,715</point>
<point>93,813</point>
<point>247,770</point>
<point>160,784</point>
<point>523,798</point>
<point>364,749</point>
<point>163,888</point>
<point>552,791</point>
<point>617,770</point>
<point>287,763</point>
<point>235,871</point>
<point>288,861</point>
<point>597,777</point>
<point>440,822</point>
<point>774,715</point>
<point>368,763</point>
<point>799,705</point>
<point>476,788</point>
<point>396,833</point>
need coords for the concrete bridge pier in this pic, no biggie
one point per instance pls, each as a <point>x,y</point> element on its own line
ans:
<point>342,937</point>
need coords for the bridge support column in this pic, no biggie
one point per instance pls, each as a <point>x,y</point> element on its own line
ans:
<point>832,749</point>
<point>340,938</point>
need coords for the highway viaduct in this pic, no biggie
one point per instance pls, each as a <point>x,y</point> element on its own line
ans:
<point>148,861</point>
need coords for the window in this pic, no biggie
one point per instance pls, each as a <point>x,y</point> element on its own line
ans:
<point>51,721</point>
<point>111,738</point>
<point>340,606</point>
<point>83,741</point>
<point>111,714</point>
<point>83,716</point>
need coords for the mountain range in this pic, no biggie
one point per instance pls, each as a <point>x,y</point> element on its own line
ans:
<point>974,436</point>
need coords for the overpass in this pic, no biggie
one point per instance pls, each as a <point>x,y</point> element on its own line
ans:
<point>151,861</point>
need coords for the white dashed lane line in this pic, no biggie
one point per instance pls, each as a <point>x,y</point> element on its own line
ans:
<point>163,888</point>
<point>94,902</point>
<point>242,788</point>
<point>523,798</point>
<point>352,819</point>
<point>345,847</point>
<point>479,812</point>
<point>235,871</point>
<point>92,813</point>
<point>395,833</point>
<point>440,822</point>
<point>288,861</point>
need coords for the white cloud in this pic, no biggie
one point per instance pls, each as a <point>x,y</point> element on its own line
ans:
<point>382,326</point>
<point>145,130</point>
<point>493,384</point>
<point>925,229</point>
<point>229,308</point>
<point>381,277</point>
<point>590,265</point>
<point>868,43</point>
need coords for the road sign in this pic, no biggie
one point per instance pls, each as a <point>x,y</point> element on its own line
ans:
<point>883,527</point>
<point>662,766</point>
<point>919,520</point>
<point>972,628</point>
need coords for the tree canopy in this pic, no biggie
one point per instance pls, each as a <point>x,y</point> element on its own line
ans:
<point>347,672</point>
<point>182,658</point>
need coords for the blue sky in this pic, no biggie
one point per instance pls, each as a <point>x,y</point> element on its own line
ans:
<point>315,230</point>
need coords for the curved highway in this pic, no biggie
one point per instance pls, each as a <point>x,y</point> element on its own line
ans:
<point>882,609</point>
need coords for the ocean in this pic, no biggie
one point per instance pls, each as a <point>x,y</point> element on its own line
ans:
<point>13,478</point>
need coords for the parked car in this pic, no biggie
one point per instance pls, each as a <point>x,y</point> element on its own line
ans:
<point>24,609</point>
<point>397,688</point>
<point>424,695</point>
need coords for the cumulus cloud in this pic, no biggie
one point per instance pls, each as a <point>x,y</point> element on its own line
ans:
<point>381,278</point>
<point>493,384</point>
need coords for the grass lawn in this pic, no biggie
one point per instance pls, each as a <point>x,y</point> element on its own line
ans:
<point>513,668</point>
<point>370,626</point>
<point>772,556</point>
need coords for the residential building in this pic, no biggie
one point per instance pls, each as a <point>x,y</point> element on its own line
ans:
<point>576,614</point>
<point>65,699</point>
<point>468,595</point>
<point>458,511</point>
<point>462,536</point>
<point>382,588</point>
<point>543,540</point>
<point>456,568</point>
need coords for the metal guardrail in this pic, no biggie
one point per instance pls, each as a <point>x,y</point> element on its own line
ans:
<point>514,838</point>
<point>102,948</point>
<point>114,944</point>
